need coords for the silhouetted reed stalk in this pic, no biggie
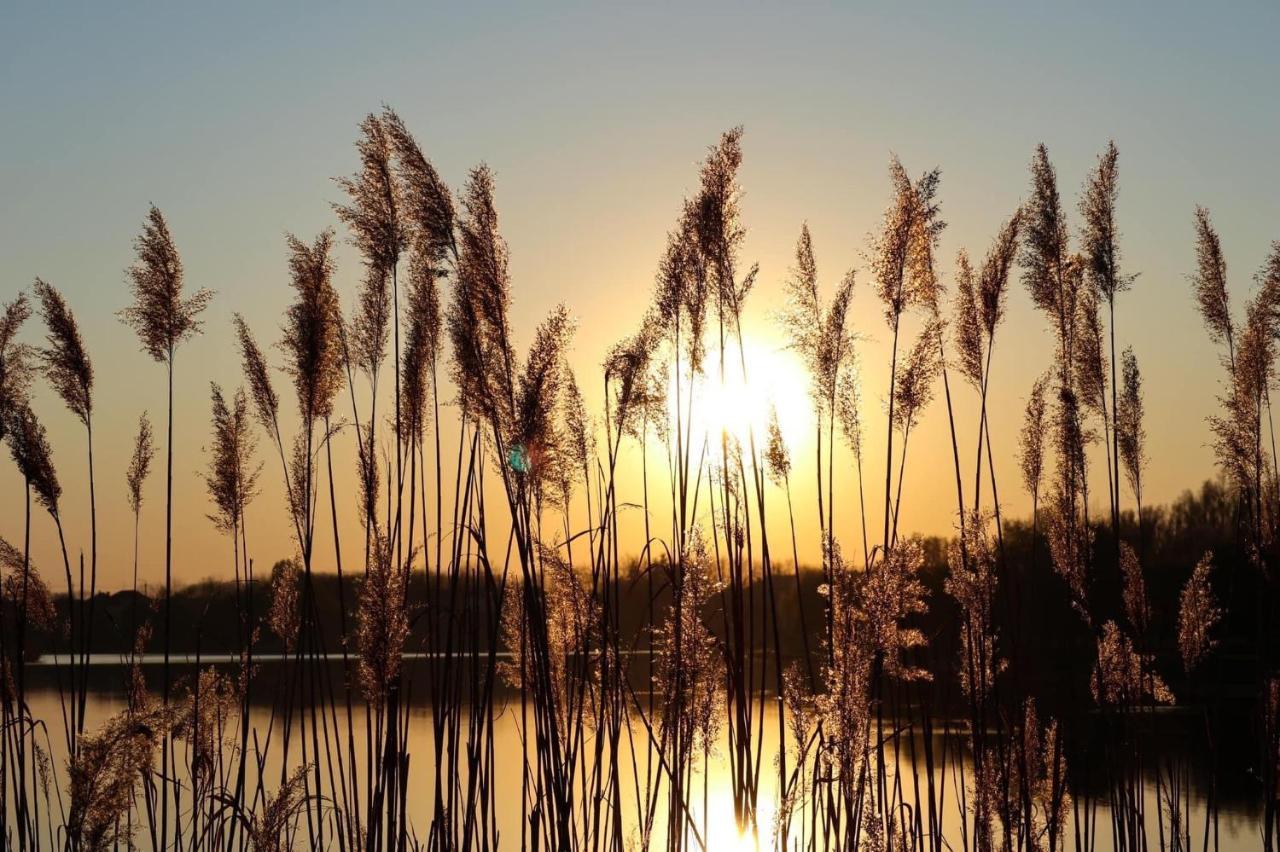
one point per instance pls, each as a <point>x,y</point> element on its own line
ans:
<point>163,319</point>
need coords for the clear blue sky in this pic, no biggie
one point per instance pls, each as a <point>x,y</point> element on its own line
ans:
<point>233,118</point>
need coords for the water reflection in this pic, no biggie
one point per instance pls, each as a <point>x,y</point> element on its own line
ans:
<point>712,822</point>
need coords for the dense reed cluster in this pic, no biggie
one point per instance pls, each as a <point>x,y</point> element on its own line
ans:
<point>876,741</point>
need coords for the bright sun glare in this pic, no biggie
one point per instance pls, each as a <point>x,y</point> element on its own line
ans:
<point>775,380</point>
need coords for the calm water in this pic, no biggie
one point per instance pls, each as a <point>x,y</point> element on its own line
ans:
<point>1239,822</point>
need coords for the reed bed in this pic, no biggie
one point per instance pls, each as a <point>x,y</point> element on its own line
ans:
<point>502,555</point>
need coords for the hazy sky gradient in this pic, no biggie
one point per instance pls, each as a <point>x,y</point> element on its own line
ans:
<point>233,121</point>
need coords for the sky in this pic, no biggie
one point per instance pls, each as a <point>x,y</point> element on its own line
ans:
<point>234,118</point>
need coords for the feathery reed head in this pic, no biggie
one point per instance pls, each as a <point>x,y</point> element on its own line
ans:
<point>968,321</point>
<point>382,625</point>
<point>1210,280</point>
<point>578,440</point>
<point>972,582</point>
<point>534,432</point>
<point>688,668</point>
<point>637,389</point>
<point>29,447</point>
<point>144,451</point>
<point>1090,367</point>
<point>312,328</point>
<point>66,363</point>
<point>1131,434</point>
<point>1100,238</point>
<point>422,343</point>
<point>159,315</point>
<point>104,774</point>
<point>715,214</point>
<point>777,457</point>
<point>283,617</point>
<point>993,282</point>
<point>368,473</point>
<point>366,340</point>
<point>25,590</point>
<point>272,829</point>
<point>373,213</point>
<point>682,290</point>
<point>1070,545</point>
<point>915,380</point>
<point>1123,676</point>
<point>15,361</point>
<point>484,360</point>
<point>1031,443</point>
<point>901,252</point>
<point>1136,607</point>
<point>1198,614</point>
<point>266,403</point>
<point>425,201</point>
<point>824,341</point>
<point>231,477</point>
<point>1045,254</point>
<point>849,407</point>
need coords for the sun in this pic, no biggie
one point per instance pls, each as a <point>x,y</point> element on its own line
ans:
<point>740,403</point>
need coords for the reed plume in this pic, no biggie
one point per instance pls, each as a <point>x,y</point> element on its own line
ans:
<point>201,719</point>
<point>1100,236</point>
<point>144,452</point>
<point>777,458</point>
<point>1045,254</point>
<point>382,624</point>
<point>1129,427</point>
<point>371,326</point>
<point>16,360</point>
<point>898,258</point>
<point>972,582</point>
<point>273,828</point>
<point>266,402</point>
<point>312,329</point>
<point>373,213</point>
<point>66,363</point>
<point>1091,359</point>
<point>572,622</point>
<point>105,772</point>
<point>25,591</point>
<point>1198,615</point>
<point>425,201</point>
<point>231,478</point>
<point>535,441</point>
<point>283,616</point>
<point>484,362</point>
<point>888,597</point>
<point>29,447</point>
<point>1123,676</point>
<point>967,326</point>
<point>1134,590</point>
<point>422,345</point>
<point>638,393</point>
<point>993,281</point>
<point>717,224</point>
<point>914,390</point>
<point>160,315</point>
<point>1031,443</point>
<point>688,666</point>
<point>822,338</point>
<point>1210,282</point>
